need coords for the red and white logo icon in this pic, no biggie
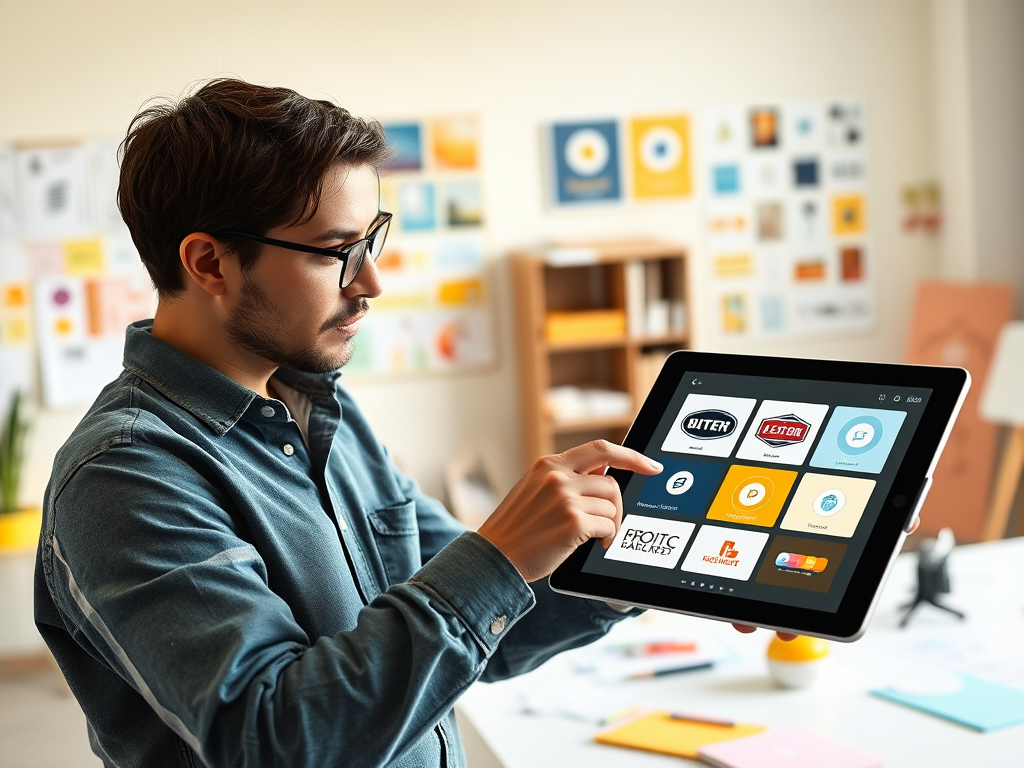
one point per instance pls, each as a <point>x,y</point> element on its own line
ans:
<point>727,552</point>
<point>783,430</point>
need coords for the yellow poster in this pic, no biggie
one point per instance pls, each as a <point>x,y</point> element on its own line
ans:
<point>848,214</point>
<point>84,258</point>
<point>456,142</point>
<point>734,265</point>
<point>661,156</point>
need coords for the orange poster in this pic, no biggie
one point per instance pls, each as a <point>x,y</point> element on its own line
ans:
<point>958,324</point>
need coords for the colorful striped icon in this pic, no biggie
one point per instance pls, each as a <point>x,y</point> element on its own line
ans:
<point>797,562</point>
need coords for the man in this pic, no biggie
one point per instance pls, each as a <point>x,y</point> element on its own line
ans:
<point>231,570</point>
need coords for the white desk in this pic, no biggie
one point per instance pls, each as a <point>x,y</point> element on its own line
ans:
<point>988,584</point>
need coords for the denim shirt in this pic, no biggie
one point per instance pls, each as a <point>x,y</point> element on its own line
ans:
<point>217,593</point>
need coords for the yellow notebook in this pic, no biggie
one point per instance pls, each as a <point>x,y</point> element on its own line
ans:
<point>672,735</point>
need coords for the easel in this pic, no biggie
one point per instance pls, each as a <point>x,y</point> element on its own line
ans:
<point>1011,466</point>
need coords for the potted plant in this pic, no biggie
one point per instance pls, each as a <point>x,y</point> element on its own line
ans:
<point>19,527</point>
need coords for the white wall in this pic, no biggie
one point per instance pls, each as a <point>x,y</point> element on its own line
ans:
<point>996,43</point>
<point>72,68</point>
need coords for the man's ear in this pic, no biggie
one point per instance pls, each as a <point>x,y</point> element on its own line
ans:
<point>201,255</point>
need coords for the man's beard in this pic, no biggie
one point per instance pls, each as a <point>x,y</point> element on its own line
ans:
<point>251,327</point>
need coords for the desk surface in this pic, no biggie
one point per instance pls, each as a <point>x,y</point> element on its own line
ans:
<point>986,581</point>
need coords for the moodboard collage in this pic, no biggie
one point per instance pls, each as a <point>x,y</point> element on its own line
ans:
<point>784,204</point>
<point>435,313</point>
<point>70,277</point>
<point>786,225</point>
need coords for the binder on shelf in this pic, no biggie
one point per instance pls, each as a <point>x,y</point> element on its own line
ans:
<point>585,325</point>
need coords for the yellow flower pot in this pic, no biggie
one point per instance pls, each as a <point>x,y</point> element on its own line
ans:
<point>19,531</point>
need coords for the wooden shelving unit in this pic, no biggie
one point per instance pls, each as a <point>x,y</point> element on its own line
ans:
<point>646,281</point>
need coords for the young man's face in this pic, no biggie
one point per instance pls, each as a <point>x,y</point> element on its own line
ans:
<point>291,308</point>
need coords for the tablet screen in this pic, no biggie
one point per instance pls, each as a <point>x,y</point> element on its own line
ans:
<point>771,487</point>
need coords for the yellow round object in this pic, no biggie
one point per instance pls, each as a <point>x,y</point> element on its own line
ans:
<point>801,649</point>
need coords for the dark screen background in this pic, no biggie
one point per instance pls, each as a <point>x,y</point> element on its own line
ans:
<point>765,388</point>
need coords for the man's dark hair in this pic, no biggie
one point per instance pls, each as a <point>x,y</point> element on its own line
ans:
<point>233,155</point>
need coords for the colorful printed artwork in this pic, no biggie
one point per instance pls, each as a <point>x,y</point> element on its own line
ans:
<point>456,140</point>
<point>435,310</point>
<point>787,190</point>
<point>585,162</point>
<point>661,156</point>
<point>405,140</point>
<point>70,277</point>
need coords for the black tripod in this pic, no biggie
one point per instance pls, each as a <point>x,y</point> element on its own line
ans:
<point>932,575</point>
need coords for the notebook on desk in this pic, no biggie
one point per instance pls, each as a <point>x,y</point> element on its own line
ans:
<point>672,734</point>
<point>785,749</point>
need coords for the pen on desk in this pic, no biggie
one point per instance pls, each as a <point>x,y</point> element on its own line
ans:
<point>701,720</point>
<point>673,671</point>
<point>651,649</point>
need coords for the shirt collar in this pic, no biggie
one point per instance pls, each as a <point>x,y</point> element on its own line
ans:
<point>206,393</point>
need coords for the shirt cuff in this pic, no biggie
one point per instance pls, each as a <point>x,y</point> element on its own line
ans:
<point>476,579</point>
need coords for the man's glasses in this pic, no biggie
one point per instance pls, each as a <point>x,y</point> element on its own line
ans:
<point>352,256</point>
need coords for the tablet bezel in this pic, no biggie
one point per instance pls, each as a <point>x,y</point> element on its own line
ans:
<point>949,388</point>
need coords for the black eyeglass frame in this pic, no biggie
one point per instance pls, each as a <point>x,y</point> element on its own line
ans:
<point>342,254</point>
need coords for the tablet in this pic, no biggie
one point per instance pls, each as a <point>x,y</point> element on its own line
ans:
<point>787,489</point>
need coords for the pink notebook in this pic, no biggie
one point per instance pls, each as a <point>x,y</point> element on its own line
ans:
<point>785,749</point>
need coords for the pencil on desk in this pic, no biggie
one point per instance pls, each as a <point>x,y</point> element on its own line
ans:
<point>702,720</point>
<point>673,671</point>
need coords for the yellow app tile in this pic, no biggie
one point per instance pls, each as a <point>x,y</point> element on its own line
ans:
<point>828,504</point>
<point>848,214</point>
<point>752,495</point>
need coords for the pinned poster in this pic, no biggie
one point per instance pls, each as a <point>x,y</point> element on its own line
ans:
<point>406,141</point>
<point>463,203</point>
<point>84,258</point>
<point>15,308</point>
<point>54,192</point>
<point>455,140</point>
<point>80,332</point>
<point>416,206</point>
<point>848,214</point>
<point>725,133</point>
<point>803,127</point>
<point>584,162</point>
<point>661,156</point>
<point>845,124</point>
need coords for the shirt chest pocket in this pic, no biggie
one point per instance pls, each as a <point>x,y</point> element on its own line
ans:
<point>398,542</point>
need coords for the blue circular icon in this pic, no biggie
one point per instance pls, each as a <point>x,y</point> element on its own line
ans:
<point>859,435</point>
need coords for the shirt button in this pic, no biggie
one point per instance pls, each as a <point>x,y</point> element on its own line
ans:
<point>267,411</point>
<point>498,625</point>
<point>288,449</point>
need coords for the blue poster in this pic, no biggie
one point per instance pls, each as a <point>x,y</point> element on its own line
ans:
<point>586,162</point>
<point>404,139</point>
